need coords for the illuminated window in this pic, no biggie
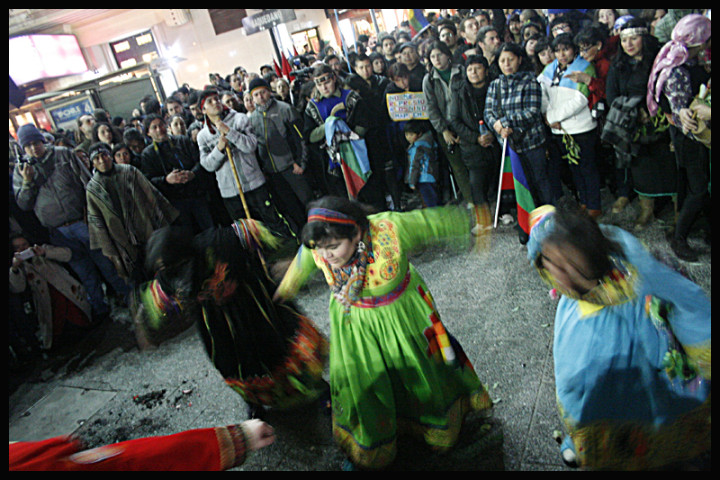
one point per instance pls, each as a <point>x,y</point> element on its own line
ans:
<point>136,49</point>
<point>121,47</point>
<point>143,39</point>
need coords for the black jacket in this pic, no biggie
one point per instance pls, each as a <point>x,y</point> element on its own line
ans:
<point>465,111</point>
<point>178,152</point>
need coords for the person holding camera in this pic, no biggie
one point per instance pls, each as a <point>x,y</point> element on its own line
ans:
<point>58,298</point>
<point>51,182</point>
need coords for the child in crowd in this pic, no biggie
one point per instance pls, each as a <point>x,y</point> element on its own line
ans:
<point>422,161</point>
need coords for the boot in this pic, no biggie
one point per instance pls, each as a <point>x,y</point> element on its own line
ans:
<point>620,204</point>
<point>647,204</point>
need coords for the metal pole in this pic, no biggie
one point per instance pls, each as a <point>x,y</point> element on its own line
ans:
<point>342,41</point>
<point>375,24</point>
<point>502,168</point>
<point>275,45</point>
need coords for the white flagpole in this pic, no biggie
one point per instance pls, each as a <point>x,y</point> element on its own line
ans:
<point>502,168</point>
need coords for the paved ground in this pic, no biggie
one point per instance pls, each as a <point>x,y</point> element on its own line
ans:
<point>105,390</point>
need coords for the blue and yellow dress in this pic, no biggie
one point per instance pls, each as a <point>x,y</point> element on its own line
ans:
<point>632,361</point>
<point>393,366</point>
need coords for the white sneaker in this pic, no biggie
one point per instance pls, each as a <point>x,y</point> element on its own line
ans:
<point>507,219</point>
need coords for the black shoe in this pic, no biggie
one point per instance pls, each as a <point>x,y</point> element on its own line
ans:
<point>325,400</point>
<point>523,237</point>
<point>683,251</point>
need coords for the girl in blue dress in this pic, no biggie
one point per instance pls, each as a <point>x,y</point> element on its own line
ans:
<point>631,346</point>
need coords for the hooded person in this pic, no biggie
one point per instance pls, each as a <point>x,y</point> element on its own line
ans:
<point>691,31</point>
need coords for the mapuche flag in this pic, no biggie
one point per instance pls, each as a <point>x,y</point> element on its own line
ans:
<point>514,178</point>
<point>417,21</point>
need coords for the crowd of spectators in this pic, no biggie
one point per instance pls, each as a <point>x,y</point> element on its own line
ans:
<point>552,83</point>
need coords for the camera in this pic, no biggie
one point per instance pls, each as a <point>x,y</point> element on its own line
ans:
<point>25,254</point>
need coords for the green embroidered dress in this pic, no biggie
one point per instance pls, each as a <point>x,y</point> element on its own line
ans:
<point>393,367</point>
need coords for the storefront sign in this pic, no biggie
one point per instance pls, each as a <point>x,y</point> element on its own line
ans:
<point>267,19</point>
<point>65,116</point>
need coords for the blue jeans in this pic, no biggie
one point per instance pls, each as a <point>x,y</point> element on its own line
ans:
<point>428,193</point>
<point>90,265</point>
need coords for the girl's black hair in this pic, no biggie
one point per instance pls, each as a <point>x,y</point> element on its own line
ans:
<point>438,45</point>
<point>315,232</point>
<point>416,126</point>
<point>564,39</point>
<point>575,227</point>
<point>513,48</point>
<point>650,49</point>
<point>591,35</point>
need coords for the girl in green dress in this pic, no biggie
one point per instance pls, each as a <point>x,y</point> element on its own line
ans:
<point>393,366</point>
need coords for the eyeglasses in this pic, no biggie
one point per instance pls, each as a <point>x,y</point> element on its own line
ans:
<point>587,49</point>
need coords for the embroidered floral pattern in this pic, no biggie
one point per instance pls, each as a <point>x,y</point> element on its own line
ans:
<point>676,362</point>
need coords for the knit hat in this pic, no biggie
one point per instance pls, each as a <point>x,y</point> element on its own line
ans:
<point>28,134</point>
<point>258,83</point>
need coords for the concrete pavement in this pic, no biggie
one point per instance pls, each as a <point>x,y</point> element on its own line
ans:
<point>105,390</point>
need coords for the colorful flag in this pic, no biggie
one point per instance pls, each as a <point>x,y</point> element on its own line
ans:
<point>352,169</point>
<point>417,21</point>
<point>350,154</point>
<point>514,178</point>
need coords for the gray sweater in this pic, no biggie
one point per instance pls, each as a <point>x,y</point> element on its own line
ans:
<point>243,143</point>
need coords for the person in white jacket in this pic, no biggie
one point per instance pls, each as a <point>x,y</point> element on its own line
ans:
<point>567,110</point>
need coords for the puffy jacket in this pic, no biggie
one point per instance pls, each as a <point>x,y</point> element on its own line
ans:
<point>57,193</point>
<point>422,161</point>
<point>242,142</point>
<point>567,102</point>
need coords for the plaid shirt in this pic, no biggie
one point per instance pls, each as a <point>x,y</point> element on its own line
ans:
<point>515,100</point>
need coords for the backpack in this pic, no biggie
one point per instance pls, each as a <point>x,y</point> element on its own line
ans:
<point>621,125</point>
